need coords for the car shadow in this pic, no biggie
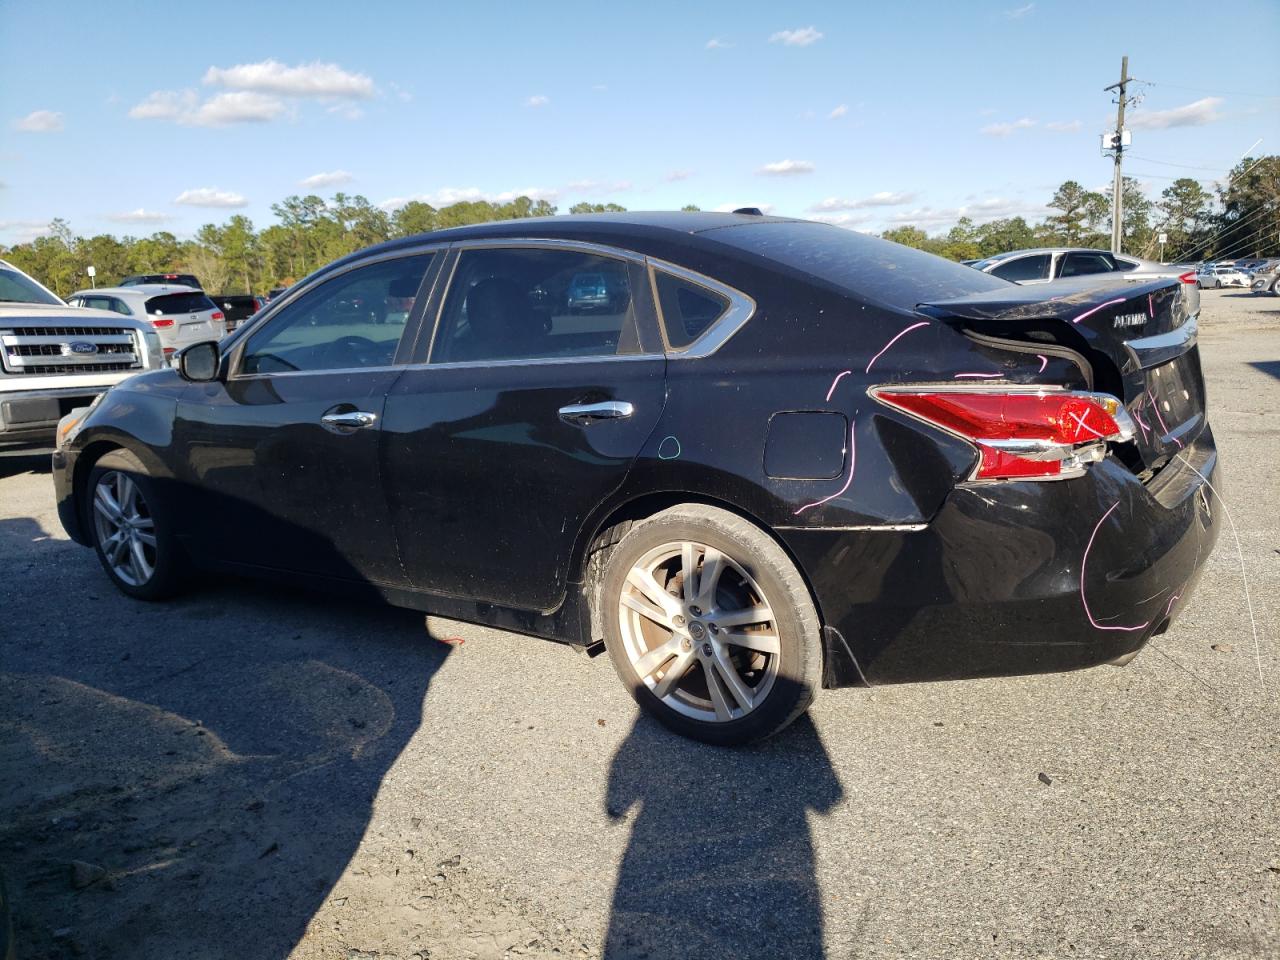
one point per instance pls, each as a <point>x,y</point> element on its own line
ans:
<point>211,762</point>
<point>24,459</point>
<point>1269,367</point>
<point>720,861</point>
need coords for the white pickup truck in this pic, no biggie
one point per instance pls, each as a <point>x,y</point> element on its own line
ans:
<point>55,358</point>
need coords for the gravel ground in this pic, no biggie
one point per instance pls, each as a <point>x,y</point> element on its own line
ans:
<point>250,772</point>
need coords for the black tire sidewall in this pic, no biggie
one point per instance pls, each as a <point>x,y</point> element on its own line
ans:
<point>171,563</point>
<point>799,629</point>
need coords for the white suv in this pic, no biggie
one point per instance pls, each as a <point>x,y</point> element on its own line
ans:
<point>181,315</point>
<point>1217,275</point>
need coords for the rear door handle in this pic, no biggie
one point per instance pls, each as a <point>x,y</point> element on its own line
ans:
<point>350,421</point>
<point>586,413</point>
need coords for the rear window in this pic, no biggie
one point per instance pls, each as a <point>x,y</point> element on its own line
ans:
<point>1022,269</point>
<point>688,310</point>
<point>179,303</point>
<point>867,266</point>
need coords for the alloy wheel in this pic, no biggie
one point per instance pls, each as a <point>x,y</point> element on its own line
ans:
<point>125,528</point>
<point>699,632</point>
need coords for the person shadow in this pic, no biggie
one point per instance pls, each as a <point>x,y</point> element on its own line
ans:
<point>720,861</point>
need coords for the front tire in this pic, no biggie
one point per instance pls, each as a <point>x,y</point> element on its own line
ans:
<point>710,626</point>
<point>132,534</point>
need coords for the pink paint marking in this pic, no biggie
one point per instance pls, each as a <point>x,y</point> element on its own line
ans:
<point>1156,407</point>
<point>1084,560</point>
<point>1080,419</point>
<point>835,381</point>
<point>981,376</point>
<point>853,459</point>
<point>1138,419</point>
<point>914,326</point>
<point>1172,600</point>
<point>1101,306</point>
<point>1044,362</point>
<point>1151,309</point>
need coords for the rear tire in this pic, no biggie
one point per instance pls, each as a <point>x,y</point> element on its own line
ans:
<point>728,660</point>
<point>131,530</point>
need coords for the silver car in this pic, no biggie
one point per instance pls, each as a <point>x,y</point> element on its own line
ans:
<point>180,315</point>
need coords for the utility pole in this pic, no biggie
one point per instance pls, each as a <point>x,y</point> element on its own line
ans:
<point>1117,185</point>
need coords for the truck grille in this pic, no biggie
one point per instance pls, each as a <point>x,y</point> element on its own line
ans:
<point>56,350</point>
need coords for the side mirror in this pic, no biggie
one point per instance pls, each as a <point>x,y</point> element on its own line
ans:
<point>199,362</point>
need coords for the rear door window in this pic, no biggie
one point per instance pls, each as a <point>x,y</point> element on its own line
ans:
<point>113,304</point>
<point>1022,269</point>
<point>1081,263</point>
<point>528,303</point>
<point>172,303</point>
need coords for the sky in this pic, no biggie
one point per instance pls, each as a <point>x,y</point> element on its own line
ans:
<point>129,118</point>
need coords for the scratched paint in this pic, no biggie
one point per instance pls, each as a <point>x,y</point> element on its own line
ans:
<point>1159,419</point>
<point>1084,600</point>
<point>853,459</point>
<point>669,448</point>
<point>1044,362</point>
<point>894,339</point>
<point>1101,306</point>
<point>839,377</point>
<point>977,376</point>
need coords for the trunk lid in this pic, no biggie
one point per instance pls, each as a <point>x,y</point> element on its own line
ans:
<point>1138,338</point>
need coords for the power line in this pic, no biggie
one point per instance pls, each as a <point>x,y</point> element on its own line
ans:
<point>1213,237</point>
<point>1230,180</point>
<point>1166,163</point>
<point>1241,246</point>
<point>1216,93</point>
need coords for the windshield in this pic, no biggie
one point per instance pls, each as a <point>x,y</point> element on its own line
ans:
<point>18,288</point>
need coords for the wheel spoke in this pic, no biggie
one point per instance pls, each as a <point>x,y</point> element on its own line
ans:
<point>676,670</point>
<point>760,642</point>
<point>718,698</point>
<point>647,610</point>
<point>150,540</point>
<point>119,549</point>
<point>741,618</point>
<point>643,581</point>
<point>689,567</point>
<point>142,569</point>
<point>144,523</point>
<point>712,566</point>
<point>653,659</point>
<point>726,673</point>
<point>127,494</point>
<point>106,504</point>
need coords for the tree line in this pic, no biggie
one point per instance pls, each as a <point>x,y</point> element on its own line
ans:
<point>1239,218</point>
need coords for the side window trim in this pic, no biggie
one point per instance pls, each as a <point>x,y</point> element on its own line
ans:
<point>246,330</point>
<point>741,309</point>
<point>645,312</point>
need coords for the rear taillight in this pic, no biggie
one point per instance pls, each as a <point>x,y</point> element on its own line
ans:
<point>170,351</point>
<point>217,315</point>
<point>1031,434</point>
<point>162,323</point>
<point>1188,277</point>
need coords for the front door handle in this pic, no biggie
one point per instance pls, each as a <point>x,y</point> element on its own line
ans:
<point>587,413</point>
<point>353,420</point>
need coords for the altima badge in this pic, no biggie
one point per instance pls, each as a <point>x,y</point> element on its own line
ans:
<point>1130,320</point>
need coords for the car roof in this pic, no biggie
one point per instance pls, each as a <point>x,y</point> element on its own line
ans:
<point>141,290</point>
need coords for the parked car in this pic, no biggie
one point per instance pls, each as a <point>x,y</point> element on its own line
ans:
<point>275,292</point>
<point>595,292</point>
<point>1216,276</point>
<point>238,307</point>
<point>1266,279</point>
<point>180,279</point>
<point>55,358</point>
<point>796,457</point>
<point>180,315</point>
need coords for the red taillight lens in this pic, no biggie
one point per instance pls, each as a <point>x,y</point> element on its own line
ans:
<point>1188,277</point>
<point>170,351</point>
<point>217,315</point>
<point>162,323</point>
<point>1020,435</point>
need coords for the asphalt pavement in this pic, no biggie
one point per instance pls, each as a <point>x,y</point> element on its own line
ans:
<point>257,772</point>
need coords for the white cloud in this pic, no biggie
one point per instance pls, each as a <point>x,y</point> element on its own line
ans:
<point>325,80</point>
<point>404,95</point>
<point>1195,114</point>
<point>602,87</point>
<point>882,199</point>
<point>537,100</point>
<point>1019,12</point>
<point>347,111</point>
<point>24,231</point>
<point>140,215</point>
<point>838,112</point>
<point>448,195</point>
<point>39,121</point>
<point>786,168</point>
<point>185,107</point>
<point>331,179</point>
<point>1064,126</point>
<point>598,186</point>
<point>846,220</point>
<point>1004,129</point>
<point>979,211</point>
<point>796,38</point>
<point>211,197</point>
<point>715,43</point>
<point>675,175</point>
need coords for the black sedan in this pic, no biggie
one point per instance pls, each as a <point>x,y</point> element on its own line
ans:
<point>789,457</point>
